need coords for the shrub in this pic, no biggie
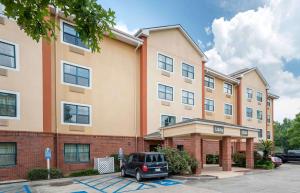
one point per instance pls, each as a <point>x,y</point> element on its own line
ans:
<point>212,159</point>
<point>239,159</point>
<point>87,172</point>
<point>42,174</point>
<point>264,164</point>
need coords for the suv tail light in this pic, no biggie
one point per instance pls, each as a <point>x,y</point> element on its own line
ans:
<point>145,168</point>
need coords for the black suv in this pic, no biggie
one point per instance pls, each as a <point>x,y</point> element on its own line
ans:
<point>145,165</point>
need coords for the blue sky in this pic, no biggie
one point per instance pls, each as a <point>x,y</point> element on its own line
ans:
<point>241,33</point>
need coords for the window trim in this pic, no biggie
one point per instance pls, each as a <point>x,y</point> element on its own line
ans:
<point>214,82</point>
<point>247,92</point>
<point>231,88</point>
<point>157,65</point>
<point>262,96</point>
<point>166,114</point>
<point>62,36</point>
<point>189,92</point>
<point>157,92</point>
<point>75,124</point>
<point>80,66</point>
<point>183,62</point>
<point>17,56</point>
<point>214,105</point>
<point>262,116</point>
<point>16,155</point>
<point>247,114</point>
<point>78,162</point>
<point>231,109</point>
<point>18,105</point>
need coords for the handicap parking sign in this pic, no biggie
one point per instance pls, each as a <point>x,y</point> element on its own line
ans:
<point>47,153</point>
<point>166,182</point>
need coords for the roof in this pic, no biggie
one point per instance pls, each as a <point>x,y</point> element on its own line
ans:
<point>146,32</point>
<point>221,75</point>
<point>153,136</point>
<point>273,96</point>
<point>241,73</point>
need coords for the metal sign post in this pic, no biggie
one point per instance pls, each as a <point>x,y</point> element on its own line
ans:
<point>48,157</point>
<point>121,156</point>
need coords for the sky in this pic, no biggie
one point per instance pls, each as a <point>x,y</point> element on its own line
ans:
<point>234,34</point>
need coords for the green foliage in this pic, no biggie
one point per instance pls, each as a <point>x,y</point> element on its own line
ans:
<point>266,146</point>
<point>212,159</point>
<point>91,20</point>
<point>264,164</point>
<point>294,133</point>
<point>87,172</point>
<point>42,174</point>
<point>281,134</point>
<point>179,162</point>
<point>239,159</point>
<point>117,161</point>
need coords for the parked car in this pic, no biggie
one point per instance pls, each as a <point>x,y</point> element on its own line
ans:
<point>276,161</point>
<point>292,155</point>
<point>145,165</point>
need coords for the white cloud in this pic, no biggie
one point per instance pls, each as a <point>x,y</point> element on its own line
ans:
<point>123,27</point>
<point>207,30</point>
<point>264,38</point>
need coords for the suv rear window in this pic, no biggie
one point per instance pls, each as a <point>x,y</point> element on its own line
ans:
<point>155,158</point>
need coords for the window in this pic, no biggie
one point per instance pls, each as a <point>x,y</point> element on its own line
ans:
<point>7,55</point>
<point>249,93</point>
<point>249,112</point>
<point>167,120</point>
<point>76,114</point>
<point>259,96</point>
<point>180,147</point>
<point>71,36</point>
<point>165,92</point>
<point>8,154</point>
<point>259,115</point>
<point>228,109</point>
<point>76,75</point>
<point>165,63</point>
<point>187,97</point>
<point>187,71</point>
<point>209,105</point>
<point>185,119</point>
<point>77,152</point>
<point>9,105</point>
<point>269,118</point>
<point>268,135</point>
<point>209,82</point>
<point>260,133</point>
<point>269,102</point>
<point>228,88</point>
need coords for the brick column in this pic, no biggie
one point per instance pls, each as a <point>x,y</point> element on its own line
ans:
<point>238,145</point>
<point>168,142</point>
<point>220,153</point>
<point>202,157</point>
<point>249,153</point>
<point>196,151</point>
<point>226,153</point>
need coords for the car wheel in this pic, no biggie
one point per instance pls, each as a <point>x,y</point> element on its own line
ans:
<point>123,173</point>
<point>138,176</point>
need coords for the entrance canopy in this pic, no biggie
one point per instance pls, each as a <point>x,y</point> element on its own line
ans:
<point>209,129</point>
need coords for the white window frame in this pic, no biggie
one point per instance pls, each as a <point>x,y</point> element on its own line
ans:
<point>157,92</point>
<point>213,79</point>
<point>247,113</point>
<point>78,65</point>
<point>17,56</point>
<point>183,62</point>
<point>262,96</point>
<point>190,92</point>
<point>18,105</point>
<point>231,109</point>
<point>247,93</point>
<point>157,63</point>
<point>213,102</point>
<point>231,88</point>
<point>62,36</point>
<point>262,116</point>
<point>75,124</point>
<point>166,114</point>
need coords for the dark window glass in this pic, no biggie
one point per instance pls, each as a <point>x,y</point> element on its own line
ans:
<point>180,147</point>
<point>8,104</point>
<point>187,97</point>
<point>228,109</point>
<point>155,158</point>
<point>7,55</point>
<point>188,71</point>
<point>76,114</point>
<point>77,152</point>
<point>209,105</point>
<point>209,81</point>
<point>71,36</point>
<point>76,75</point>
<point>165,63</point>
<point>249,93</point>
<point>8,154</point>
<point>167,120</point>
<point>268,135</point>
<point>259,96</point>
<point>165,92</point>
<point>249,112</point>
<point>259,115</point>
<point>260,133</point>
<point>228,88</point>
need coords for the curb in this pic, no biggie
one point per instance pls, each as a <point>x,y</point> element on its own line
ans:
<point>202,178</point>
<point>12,182</point>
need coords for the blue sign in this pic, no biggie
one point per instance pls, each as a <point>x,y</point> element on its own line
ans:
<point>47,153</point>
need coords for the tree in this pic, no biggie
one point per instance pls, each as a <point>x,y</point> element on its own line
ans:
<point>294,133</point>
<point>281,134</point>
<point>266,147</point>
<point>92,21</point>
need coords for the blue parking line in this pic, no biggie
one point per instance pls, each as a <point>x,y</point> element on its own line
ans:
<point>105,181</point>
<point>130,182</point>
<point>96,179</point>
<point>112,184</point>
<point>93,187</point>
<point>26,189</point>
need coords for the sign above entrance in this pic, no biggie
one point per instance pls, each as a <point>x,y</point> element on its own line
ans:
<point>244,132</point>
<point>219,129</point>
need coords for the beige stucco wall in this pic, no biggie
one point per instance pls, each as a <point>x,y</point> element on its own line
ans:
<point>27,80</point>
<point>253,81</point>
<point>270,112</point>
<point>220,99</point>
<point>171,43</point>
<point>114,95</point>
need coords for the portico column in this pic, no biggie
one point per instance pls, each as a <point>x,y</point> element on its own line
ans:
<point>226,153</point>
<point>168,142</point>
<point>220,153</point>
<point>249,153</point>
<point>196,151</point>
<point>238,145</point>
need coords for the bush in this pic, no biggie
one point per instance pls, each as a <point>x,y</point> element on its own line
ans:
<point>88,172</point>
<point>264,164</point>
<point>117,161</point>
<point>42,174</point>
<point>239,159</point>
<point>180,162</point>
<point>212,159</point>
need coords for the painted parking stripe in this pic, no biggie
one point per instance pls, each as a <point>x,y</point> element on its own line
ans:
<point>130,182</point>
<point>112,184</point>
<point>93,187</point>
<point>26,189</point>
<point>106,181</point>
<point>96,179</point>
